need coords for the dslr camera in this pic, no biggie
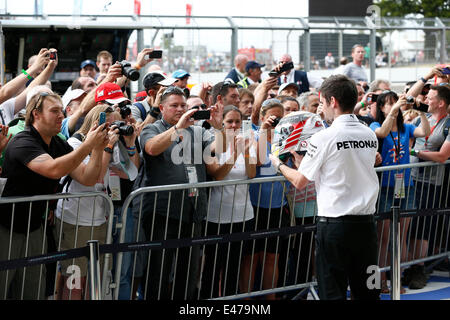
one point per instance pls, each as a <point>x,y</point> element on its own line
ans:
<point>124,129</point>
<point>128,71</point>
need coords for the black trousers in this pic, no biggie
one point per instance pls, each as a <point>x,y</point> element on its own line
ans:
<point>167,278</point>
<point>345,248</point>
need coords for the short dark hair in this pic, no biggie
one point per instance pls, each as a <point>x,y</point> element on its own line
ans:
<point>221,88</point>
<point>170,91</point>
<point>443,92</point>
<point>342,89</point>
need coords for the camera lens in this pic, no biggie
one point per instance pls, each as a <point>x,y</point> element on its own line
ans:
<point>410,99</point>
<point>128,71</point>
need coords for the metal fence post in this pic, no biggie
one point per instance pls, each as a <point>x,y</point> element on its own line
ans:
<point>94,270</point>
<point>395,256</point>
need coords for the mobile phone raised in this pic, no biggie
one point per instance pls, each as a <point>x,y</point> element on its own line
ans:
<point>285,67</point>
<point>102,118</point>
<point>155,54</point>
<point>202,115</point>
<point>246,128</point>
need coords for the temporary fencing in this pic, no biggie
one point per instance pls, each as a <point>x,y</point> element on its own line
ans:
<point>287,267</point>
<point>35,254</point>
<point>165,254</point>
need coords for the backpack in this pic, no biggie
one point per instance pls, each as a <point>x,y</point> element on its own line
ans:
<point>141,109</point>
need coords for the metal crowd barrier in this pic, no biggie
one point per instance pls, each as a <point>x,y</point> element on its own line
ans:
<point>285,283</point>
<point>417,232</point>
<point>47,256</point>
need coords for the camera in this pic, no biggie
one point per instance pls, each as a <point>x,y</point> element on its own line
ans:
<point>128,71</point>
<point>125,111</point>
<point>285,67</point>
<point>410,99</point>
<point>124,129</point>
<point>53,55</point>
<point>275,122</point>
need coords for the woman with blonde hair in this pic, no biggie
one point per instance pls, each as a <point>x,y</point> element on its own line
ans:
<point>83,219</point>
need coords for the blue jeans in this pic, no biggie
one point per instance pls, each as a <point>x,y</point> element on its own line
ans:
<point>125,272</point>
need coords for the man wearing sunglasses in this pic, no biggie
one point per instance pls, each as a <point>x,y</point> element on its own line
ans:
<point>35,160</point>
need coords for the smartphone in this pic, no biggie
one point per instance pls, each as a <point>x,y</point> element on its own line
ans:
<point>374,97</point>
<point>446,70</point>
<point>285,67</point>
<point>102,118</point>
<point>202,115</point>
<point>246,128</point>
<point>155,54</point>
<point>53,55</point>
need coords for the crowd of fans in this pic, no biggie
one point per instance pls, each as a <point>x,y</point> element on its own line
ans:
<point>55,144</point>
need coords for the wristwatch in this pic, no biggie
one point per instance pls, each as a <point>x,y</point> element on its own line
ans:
<point>109,148</point>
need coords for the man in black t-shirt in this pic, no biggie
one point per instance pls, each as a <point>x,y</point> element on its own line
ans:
<point>35,160</point>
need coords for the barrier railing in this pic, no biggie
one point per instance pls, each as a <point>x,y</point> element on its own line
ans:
<point>286,258</point>
<point>34,252</point>
<point>421,235</point>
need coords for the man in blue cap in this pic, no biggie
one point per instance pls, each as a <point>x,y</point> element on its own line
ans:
<point>87,69</point>
<point>182,76</point>
<point>252,74</point>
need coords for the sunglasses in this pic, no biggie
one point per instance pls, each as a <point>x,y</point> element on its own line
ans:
<point>40,100</point>
<point>202,106</point>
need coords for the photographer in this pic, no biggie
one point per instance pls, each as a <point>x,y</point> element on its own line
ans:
<point>186,213</point>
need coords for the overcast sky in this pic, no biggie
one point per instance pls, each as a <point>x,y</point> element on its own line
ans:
<point>171,7</point>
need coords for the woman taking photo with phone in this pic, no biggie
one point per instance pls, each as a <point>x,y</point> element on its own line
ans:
<point>230,209</point>
<point>394,137</point>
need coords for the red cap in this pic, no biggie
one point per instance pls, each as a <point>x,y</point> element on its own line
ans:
<point>141,95</point>
<point>109,92</point>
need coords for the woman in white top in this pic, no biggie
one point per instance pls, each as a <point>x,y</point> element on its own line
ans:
<point>80,220</point>
<point>230,209</point>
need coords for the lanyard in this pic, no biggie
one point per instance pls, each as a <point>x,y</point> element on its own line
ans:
<point>432,129</point>
<point>397,147</point>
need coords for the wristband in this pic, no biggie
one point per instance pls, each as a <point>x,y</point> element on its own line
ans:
<point>131,153</point>
<point>137,67</point>
<point>362,104</point>
<point>108,149</point>
<point>28,76</point>
<point>414,152</point>
<point>423,80</point>
<point>131,148</point>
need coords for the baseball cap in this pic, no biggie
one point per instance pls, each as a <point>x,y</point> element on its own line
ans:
<point>180,74</point>
<point>157,77</point>
<point>87,63</point>
<point>285,85</point>
<point>252,65</point>
<point>71,95</point>
<point>109,92</point>
<point>141,95</point>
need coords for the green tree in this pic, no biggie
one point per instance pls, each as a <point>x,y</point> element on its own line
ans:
<point>424,8</point>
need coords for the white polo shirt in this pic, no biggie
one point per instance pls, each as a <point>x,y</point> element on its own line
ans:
<point>340,160</point>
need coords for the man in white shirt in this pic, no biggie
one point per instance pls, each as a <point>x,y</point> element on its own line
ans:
<point>340,160</point>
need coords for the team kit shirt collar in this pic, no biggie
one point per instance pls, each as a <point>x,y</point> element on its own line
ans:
<point>340,160</point>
